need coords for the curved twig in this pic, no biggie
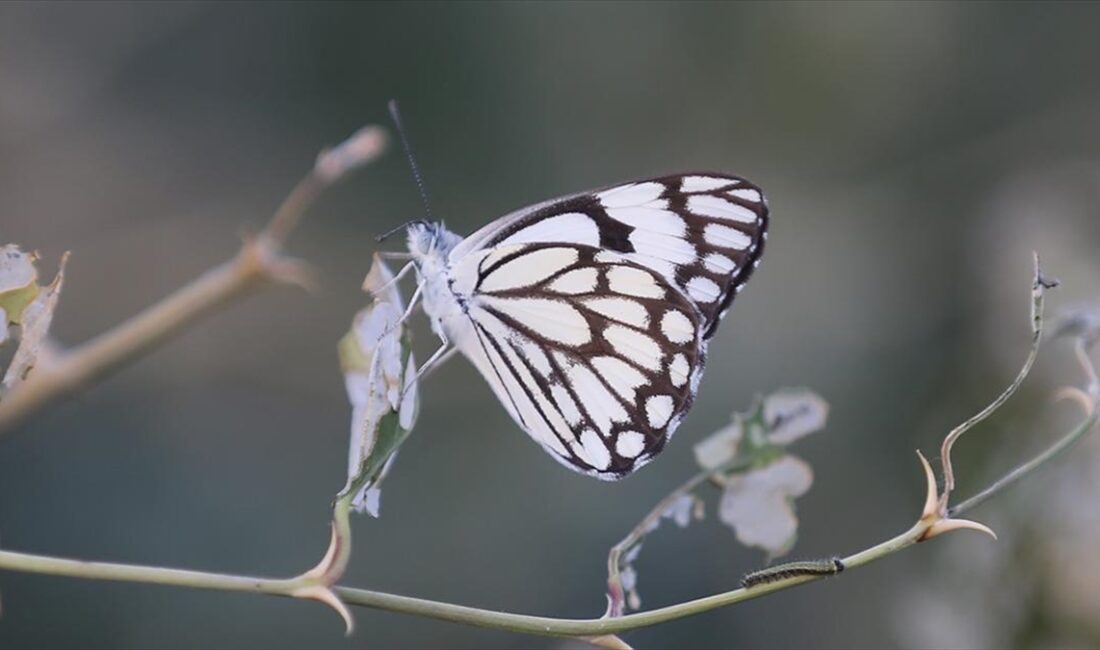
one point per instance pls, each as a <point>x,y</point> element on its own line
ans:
<point>259,262</point>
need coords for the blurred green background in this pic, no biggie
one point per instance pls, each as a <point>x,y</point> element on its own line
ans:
<point>913,154</point>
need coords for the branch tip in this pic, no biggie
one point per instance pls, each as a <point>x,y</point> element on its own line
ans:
<point>363,146</point>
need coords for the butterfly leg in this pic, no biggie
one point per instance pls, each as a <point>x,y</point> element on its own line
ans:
<point>413,301</point>
<point>394,280</point>
<point>443,358</point>
<point>438,358</point>
<point>408,311</point>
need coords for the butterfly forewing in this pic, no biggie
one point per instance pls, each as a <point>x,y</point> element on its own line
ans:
<point>703,232</point>
<point>596,354</point>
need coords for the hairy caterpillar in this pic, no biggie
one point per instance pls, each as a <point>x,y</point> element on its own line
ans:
<point>827,567</point>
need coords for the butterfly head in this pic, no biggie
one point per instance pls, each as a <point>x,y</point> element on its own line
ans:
<point>427,239</point>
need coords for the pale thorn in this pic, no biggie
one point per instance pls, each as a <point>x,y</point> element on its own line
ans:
<point>947,525</point>
<point>609,641</point>
<point>259,259</point>
<point>1078,395</point>
<point>935,506</point>
<point>325,595</point>
<point>933,510</point>
<point>319,580</point>
<point>295,272</point>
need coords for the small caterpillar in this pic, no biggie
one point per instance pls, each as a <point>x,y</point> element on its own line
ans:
<point>831,566</point>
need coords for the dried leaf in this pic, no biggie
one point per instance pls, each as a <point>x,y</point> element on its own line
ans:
<point>35,322</point>
<point>18,282</point>
<point>793,413</point>
<point>622,579</point>
<point>681,510</point>
<point>781,418</point>
<point>759,506</point>
<point>720,447</point>
<point>378,374</point>
<point>380,283</point>
<point>628,578</point>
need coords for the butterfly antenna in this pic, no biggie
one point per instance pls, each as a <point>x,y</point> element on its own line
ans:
<point>386,235</point>
<point>395,113</point>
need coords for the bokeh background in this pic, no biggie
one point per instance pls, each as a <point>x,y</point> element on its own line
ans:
<point>914,155</point>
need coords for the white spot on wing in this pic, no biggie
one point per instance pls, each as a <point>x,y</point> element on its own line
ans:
<point>650,217</point>
<point>677,327</point>
<point>658,409</point>
<point>623,310</point>
<point>719,263</point>
<point>581,452</point>
<point>552,319</point>
<point>623,378</point>
<point>536,356</point>
<point>572,227</point>
<point>703,183</point>
<point>658,265</point>
<point>575,281</point>
<point>545,434</point>
<point>702,289</point>
<point>670,248</point>
<point>725,237</point>
<point>633,282</point>
<point>603,407</point>
<point>678,370</point>
<point>566,404</point>
<point>598,455</point>
<point>746,194</point>
<point>630,444</point>
<point>634,194</point>
<point>634,346</point>
<point>528,268</point>
<point>719,208</point>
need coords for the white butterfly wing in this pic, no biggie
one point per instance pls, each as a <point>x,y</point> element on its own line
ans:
<point>589,314</point>
<point>596,357</point>
<point>704,232</point>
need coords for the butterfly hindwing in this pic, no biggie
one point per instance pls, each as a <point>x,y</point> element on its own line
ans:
<point>597,355</point>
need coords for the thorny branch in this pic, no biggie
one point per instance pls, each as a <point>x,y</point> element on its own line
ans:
<point>259,262</point>
<point>599,631</point>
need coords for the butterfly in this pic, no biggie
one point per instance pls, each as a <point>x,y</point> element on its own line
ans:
<point>589,315</point>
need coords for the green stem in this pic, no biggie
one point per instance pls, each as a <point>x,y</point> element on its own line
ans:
<point>516,623</point>
<point>538,625</point>
<point>1066,442</point>
<point>14,561</point>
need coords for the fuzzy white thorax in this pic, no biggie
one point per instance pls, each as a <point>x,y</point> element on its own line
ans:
<point>430,245</point>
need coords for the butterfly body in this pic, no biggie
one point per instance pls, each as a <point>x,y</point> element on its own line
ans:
<point>589,315</point>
